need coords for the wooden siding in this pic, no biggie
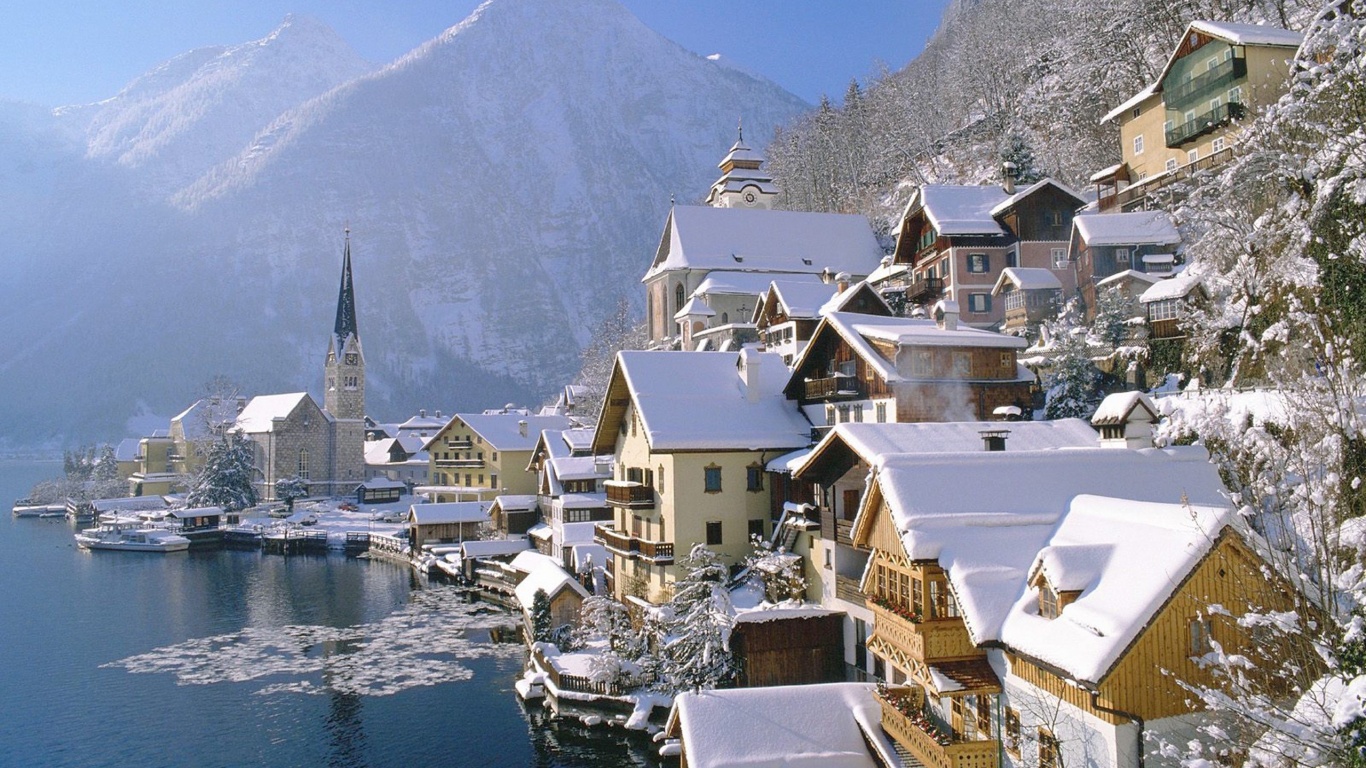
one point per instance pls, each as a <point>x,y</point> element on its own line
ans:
<point>1230,576</point>
<point>798,651</point>
<point>1056,686</point>
<point>939,401</point>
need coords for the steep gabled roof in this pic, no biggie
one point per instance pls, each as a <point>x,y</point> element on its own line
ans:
<point>758,240</point>
<point>1009,202</point>
<point>697,401</point>
<point>505,431</point>
<point>960,210</point>
<point>261,412</point>
<point>1133,228</point>
<point>1235,34</point>
<point>1027,279</point>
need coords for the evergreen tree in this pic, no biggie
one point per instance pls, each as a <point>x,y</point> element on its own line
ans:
<point>694,654</point>
<point>542,623</point>
<point>1016,150</point>
<point>1071,379</point>
<point>225,479</point>
<point>107,465</point>
<point>287,489</point>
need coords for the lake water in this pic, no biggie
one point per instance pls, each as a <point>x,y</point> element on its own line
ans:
<point>237,658</point>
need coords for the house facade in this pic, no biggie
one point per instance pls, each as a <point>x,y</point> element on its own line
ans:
<point>478,456</point>
<point>690,434</point>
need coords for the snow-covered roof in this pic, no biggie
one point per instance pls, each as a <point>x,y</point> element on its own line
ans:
<point>1133,101</point>
<point>803,300</point>
<point>1005,204</point>
<point>377,451</point>
<point>182,514</point>
<point>511,502</point>
<point>1159,258</point>
<point>1134,228</point>
<point>694,308</point>
<point>587,552</point>
<point>530,560</point>
<point>449,512</point>
<point>1027,279</point>
<point>740,151</point>
<point>128,449</point>
<point>698,401</point>
<point>382,483</point>
<point>195,420</point>
<point>260,413</point>
<point>583,501</point>
<point>1175,288</point>
<point>758,240</point>
<point>968,512</point>
<point>840,300</point>
<point>129,504</point>
<point>1249,34</point>
<point>1126,558</point>
<point>828,724</point>
<point>1116,408</point>
<point>1129,274</point>
<point>727,282</point>
<point>961,210</point>
<point>1106,172</point>
<point>504,431</point>
<point>493,547</point>
<point>872,441</point>
<point>548,577</point>
<point>578,533</point>
<point>578,438</point>
<point>422,421</point>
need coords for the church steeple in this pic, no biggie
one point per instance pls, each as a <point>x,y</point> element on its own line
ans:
<point>345,368</point>
<point>743,183</point>
<point>345,326</point>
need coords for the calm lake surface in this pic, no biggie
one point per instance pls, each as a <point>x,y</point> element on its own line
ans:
<point>237,658</point>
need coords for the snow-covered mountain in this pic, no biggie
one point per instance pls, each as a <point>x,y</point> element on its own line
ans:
<point>505,184</point>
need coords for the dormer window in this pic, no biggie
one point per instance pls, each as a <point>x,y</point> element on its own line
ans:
<point>1048,601</point>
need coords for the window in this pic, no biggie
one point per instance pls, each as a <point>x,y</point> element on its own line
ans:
<point>754,478</point>
<point>756,529</point>
<point>1171,164</point>
<point>1200,637</point>
<point>922,363</point>
<point>1218,144</point>
<point>843,411</point>
<point>1138,144</point>
<point>984,715</point>
<point>493,482</point>
<point>1013,258</point>
<point>1121,255</point>
<point>880,412</point>
<point>1048,749</point>
<point>1235,95</point>
<point>1008,361</point>
<point>713,532</point>
<point>1193,155</point>
<point>678,300</point>
<point>1014,299</point>
<point>1166,309</point>
<point>1055,218</point>
<point>1168,126</point>
<point>1059,258</point>
<point>1215,103</point>
<point>942,604</point>
<point>978,263</point>
<point>303,465</point>
<point>712,479</point>
<point>962,365</point>
<point>1048,602</point>
<point>979,302</point>
<point>660,475</point>
<point>1012,731</point>
<point>857,412</point>
<point>1136,112</point>
<point>1189,116</point>
<point>830,415</point>
<point>917,596</point>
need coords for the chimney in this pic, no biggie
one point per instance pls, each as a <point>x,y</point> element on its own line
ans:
<point>241,403</point>
<point>946,314</point>
<point>842,282</point>
<point>994,439</point>
<point>1009,172</point>
<point>438,413</point>
<point>422,413</point>
<point>748,363</point>
<point>826,276</point>
<point>521,427</point>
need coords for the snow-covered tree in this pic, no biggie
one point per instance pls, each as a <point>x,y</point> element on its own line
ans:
<point>778,571</point>
<point>226,477</point>
<point>619,331</point>
<point>542,622</point>
<point>694,652</point>
<point>106,466</point>
<point>288,489</point>
<point>1070,377</point>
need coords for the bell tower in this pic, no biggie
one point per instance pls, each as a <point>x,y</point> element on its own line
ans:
<point>743,183</point>
<point>344,372</point>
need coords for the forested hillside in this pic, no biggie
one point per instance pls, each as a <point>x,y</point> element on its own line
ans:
<point>1035,76</point>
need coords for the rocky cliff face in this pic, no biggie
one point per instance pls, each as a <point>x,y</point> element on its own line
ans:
<point>505,184</point>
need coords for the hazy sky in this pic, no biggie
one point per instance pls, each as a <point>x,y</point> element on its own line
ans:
<point>56,52</point>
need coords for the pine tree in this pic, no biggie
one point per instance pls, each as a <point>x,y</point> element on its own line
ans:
<point>1017,151</point>
<point>542,623</point>
<point>287,489</point>
<point>1071,379</point>
<point>225,479</point>
<point>107,465</point>
<point>694,654</point>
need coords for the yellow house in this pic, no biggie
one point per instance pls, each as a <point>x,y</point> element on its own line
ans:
<point>156,473</point>
<point>478,456</point>
<point>1042,607</point>
<point>1189,119</point>
<point>690,433</point>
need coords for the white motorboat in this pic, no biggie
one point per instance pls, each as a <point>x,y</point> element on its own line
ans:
<point>132,539</point>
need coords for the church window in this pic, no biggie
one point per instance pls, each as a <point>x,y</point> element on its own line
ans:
<point>678,299</point>
<point>303,465</point>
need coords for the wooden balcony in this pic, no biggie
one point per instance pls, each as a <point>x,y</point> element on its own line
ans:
<point>830,387</point>
<point>458,443</point>
<point>657,552</point>
<point>630,495</point>
<point>461,463</point>
<point>926,641</point>
<point>1129,198</point>
<point>1204,123</point>
<point>929,749</point>
<point>921,291</point>
<point>846,588</point>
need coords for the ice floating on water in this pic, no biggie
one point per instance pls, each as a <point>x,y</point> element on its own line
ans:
<point>423,643</point>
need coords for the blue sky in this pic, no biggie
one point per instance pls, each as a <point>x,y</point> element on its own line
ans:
<point>76,51</point>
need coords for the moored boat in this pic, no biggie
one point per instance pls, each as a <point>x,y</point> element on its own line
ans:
<point>132,539</point>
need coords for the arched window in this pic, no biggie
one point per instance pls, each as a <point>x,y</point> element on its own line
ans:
<point>678,298</point>
<point>725,318</point>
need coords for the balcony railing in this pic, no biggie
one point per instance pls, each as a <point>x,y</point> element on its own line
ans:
<point>1179,95</point>
<point>460,443</point>
<point>1203,124</point>
<point>839,385</point>
<point>628,494</point>
<point>1124,197</point>
<point>925,641</point>
<point>657,552</point>
<point>846,588</point>
<point>925,735</point>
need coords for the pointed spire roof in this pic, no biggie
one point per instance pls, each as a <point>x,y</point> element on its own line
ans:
<point>346,301</point>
